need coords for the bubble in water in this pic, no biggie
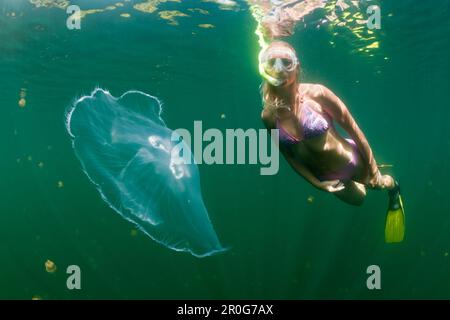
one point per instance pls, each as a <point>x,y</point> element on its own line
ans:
<point>125,148</point>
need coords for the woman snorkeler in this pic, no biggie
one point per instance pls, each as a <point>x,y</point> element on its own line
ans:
<point>305,115</point>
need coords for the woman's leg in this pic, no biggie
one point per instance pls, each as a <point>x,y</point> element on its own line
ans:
<point>354,193</point>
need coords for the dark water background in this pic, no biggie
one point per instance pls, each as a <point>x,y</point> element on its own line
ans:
<point>282,245</point>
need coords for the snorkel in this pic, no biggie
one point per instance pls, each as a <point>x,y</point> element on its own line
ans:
<point>263,43</point>
<point>267,52</point>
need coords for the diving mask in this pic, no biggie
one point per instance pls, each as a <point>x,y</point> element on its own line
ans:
<point>277,61</point>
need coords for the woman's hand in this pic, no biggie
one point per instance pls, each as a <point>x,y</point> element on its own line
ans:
<point>374,179</point>
<point>379,181</point>
<point>331,186</point>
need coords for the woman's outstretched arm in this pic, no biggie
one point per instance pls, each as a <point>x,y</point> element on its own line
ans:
<point>340,113</point>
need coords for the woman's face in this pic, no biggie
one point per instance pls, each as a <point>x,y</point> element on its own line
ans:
<point>279,65</point>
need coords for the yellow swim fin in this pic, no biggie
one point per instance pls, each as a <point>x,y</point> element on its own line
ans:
<point>394,231</point>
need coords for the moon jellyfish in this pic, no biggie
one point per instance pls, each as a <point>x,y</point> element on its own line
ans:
<point>125,148</point>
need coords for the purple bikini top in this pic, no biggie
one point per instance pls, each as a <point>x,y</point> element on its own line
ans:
<point>313,123</point>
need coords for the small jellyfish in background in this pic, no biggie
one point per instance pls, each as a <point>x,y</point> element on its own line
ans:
<point>22,95</point>
<point>50,266</point>
<point>125,149</point>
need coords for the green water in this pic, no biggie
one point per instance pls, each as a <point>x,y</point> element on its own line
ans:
<point>282,246</point>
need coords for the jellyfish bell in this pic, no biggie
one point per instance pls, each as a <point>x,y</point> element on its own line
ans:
<point>125,148</point>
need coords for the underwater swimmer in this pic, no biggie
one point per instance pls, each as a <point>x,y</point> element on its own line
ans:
<point>305,115</point>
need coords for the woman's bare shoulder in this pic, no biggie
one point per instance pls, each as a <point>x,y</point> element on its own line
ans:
<point>313,93</point>
<point>268,118</point>
<point>312,90</point>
